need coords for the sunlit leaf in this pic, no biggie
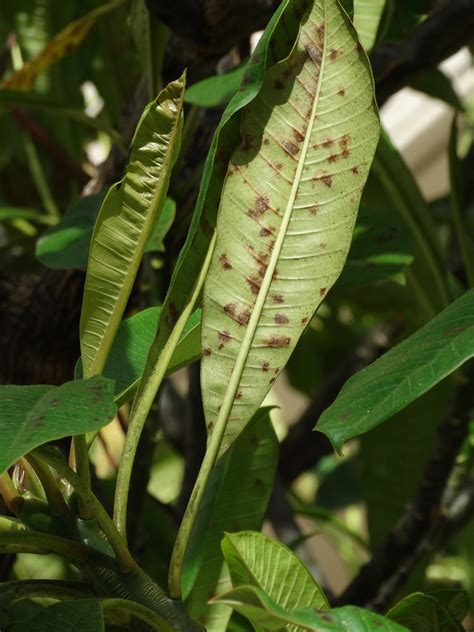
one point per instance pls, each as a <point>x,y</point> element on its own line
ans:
<point>367,16</point>
<point>264,563</point>
<point>266,614</point>
<point>287,213</point>
<point>125,223</point>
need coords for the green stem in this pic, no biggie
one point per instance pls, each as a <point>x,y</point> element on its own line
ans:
<point>12,498</point>
<point>50,485</point>
<point>158,37</point>
<point>137,610</point>
<point>23,541</point>
<point>31,480</point>
<point>144,399</point>
<point>122,554</point>
<point>79,458</point>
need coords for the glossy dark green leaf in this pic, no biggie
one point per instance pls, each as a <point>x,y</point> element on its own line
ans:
<point>216,90</point>
<point>126,360</point>
<point>266,614</point>
<point>66,245</point>
<point>436,84</point>
<point>248,467</point>
<point>402,374</point>
<point>33,415</point>
<point>423,613</point>
<point>84,615</point>
<point>381,248</point>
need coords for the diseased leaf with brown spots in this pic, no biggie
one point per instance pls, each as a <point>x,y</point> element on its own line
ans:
<point>287,212</point>
<point>33,415</point>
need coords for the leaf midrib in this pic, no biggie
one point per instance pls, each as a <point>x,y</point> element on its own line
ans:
<point>234,381</point>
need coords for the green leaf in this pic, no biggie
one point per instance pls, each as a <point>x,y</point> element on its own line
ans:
<point>9,213</point>
<point>248,466</point>
<point>256,559</point>
<point>381,248</point>
<point>367,17</point>
<point>216,90</point>
<point>287,213</point>
<point>126,360</point>
<point>33,415</point>
<point>436,84</point>
<point>162,226</point>
<point>423,613</point>
<point>402,374</point>
<point>266,614</point>
<point>191,259</point>
<point>126,220</point>
<point>456,601</point>
<point>403,198</point>
<point>66,245</point>
<point>84,615</point>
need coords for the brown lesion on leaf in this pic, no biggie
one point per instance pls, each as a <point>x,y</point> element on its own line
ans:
<point>355,171</point>
<point>345,153</point>
<point>224,338</point>
<point>281,319</point>
<point>265,232</point>
<point>323,245</point>
<point>247,143</point>
<point>322,291</point>
<point>325,178</point>
<point>207,227</point>
<point>224,261</point>
<point>298,136</point>
<point>266,141</point>
<point>173,314</point>
<point>272,380</point>
<point>341,92</point>
<point>335,53</point>
<point>304,320</point>
<point>314,53</point>
<point>314,210</point>
<point>242,317</point>
<point>206,352</point>
<point>290,148</point>
<point>238,395</point>
<point>344,141</point>
<point>265,366</point>
<point>279,166</point>
<point>254,284</point>
<point>277,342</point>
<point>278,299</point>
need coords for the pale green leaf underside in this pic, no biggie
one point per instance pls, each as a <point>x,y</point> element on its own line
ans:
<point>258,560</point>
<point>287,213</point>
<point>367,16</point>
<point>250,465</point>
<point>126,220</point>
<point>403,374</point>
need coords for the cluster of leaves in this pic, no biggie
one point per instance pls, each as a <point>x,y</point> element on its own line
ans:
<point>297,151</point>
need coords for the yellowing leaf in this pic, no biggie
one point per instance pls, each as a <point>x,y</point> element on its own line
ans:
<point>61,45</point>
